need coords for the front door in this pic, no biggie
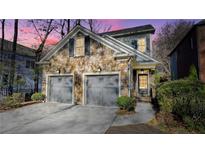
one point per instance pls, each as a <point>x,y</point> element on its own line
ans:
<point>143,84</point>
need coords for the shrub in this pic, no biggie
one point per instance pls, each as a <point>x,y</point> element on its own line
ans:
<point>13,101</point>
<point>38,97</point>
<point>193,73</point>
<point>186,99</point>
<point>126,103</point>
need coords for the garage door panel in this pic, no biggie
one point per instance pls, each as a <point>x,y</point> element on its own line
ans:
<point>60,89</point>
<point>109,96</point>
<point>94,95</point>
<point>102,90</point>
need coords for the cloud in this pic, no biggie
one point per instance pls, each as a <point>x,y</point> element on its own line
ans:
<point>115,23</point>
<point>52,40</point>
<point>26,29</point>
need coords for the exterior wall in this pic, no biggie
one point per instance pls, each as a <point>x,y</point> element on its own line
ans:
<point>128,40</point>
<point>184,56</point>
<point>201,51</point>
<point>173,64</point>
<point>26,73</point>
<point>101,58</point>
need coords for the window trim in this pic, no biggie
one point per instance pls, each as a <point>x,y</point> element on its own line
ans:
<point>83,37</point>
<point>144,45</point>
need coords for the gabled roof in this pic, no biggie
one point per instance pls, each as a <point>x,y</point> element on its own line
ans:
<point>20,49</point>
<point>131,31</point>
<point>120,48</point>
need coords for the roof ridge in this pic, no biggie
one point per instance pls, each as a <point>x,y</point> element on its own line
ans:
<point>18,44</point>
<point>129,28</point>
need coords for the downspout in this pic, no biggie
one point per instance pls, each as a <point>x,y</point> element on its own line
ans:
<point>129,76</point>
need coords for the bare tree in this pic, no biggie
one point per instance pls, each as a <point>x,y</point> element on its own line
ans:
<point>168,37</point>
<point>2,37</point>
<point>13,59</point>
<point>43,29</point>
<point>63,26</point>
<point>96,26</point>
<point>68,25</point>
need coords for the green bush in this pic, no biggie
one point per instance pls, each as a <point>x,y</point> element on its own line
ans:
<point>38,97</point>
<point>126,103</point>
<point>185,98</point>
<point>13,101</point>
<point>193,75</point>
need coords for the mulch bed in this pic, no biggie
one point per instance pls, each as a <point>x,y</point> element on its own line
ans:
<point>133,129</point>
<point>3,108</point>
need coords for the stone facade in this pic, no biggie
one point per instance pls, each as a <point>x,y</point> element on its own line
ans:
<point>101,58</point>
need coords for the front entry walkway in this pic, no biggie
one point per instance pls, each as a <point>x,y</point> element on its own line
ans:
<point>135,123</point>
<point>144,113</point>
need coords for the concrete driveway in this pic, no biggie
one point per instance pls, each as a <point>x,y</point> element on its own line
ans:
<point>55,118</point>
<point>50,118</point>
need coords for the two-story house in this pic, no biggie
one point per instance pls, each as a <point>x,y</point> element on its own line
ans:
<point>25,60</point>
<point>189,51</point>
<point>94,69</point>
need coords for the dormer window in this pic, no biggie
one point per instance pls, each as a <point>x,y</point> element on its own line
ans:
<point>141,44</point>
<point>80,46</point>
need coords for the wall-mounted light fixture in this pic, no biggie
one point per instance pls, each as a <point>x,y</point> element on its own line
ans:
<point>99,69</point>
<point>59,71</point>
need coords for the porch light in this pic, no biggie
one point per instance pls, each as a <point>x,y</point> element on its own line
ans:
<point>59,71</point>
<point>99,69</point>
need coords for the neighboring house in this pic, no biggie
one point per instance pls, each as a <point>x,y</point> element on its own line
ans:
<point>25,60</point>
<point>89,68</point>
<point>189,51</point>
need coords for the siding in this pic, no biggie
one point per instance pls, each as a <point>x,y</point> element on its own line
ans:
<point>201,51</point>
<point>128,40</point>
<point>186,54</point>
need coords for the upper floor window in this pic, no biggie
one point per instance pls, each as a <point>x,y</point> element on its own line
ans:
<point>79,46</point>
<point>141,44</point>
<point>30,64</point>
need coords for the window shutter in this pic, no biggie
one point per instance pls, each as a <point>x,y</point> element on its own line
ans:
<point>71,47</point>
<point>134,44</point>
<point>147,44</point>
<point>87,45</point>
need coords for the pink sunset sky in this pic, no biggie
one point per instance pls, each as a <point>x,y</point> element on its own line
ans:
<point>28,37</point>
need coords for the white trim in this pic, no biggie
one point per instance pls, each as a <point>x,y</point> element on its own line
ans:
<point>99,74</point>
<point>83,30</point>
<point>75,46</point>
<point>145,41</point>
<point>148,82</point>
<point>151,47</point>
<point>110,42</point>
<point>73,86</point>
<point>138,53</point>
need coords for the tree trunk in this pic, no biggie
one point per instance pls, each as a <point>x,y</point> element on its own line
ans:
<point>68,26</point>
<point>38,55</point>
<point>62,28</point>
<point>2,38</point>
<point>13,60</point>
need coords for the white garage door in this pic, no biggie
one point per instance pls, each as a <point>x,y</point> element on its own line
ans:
<point>60,89</point>
<point>101,90</point>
